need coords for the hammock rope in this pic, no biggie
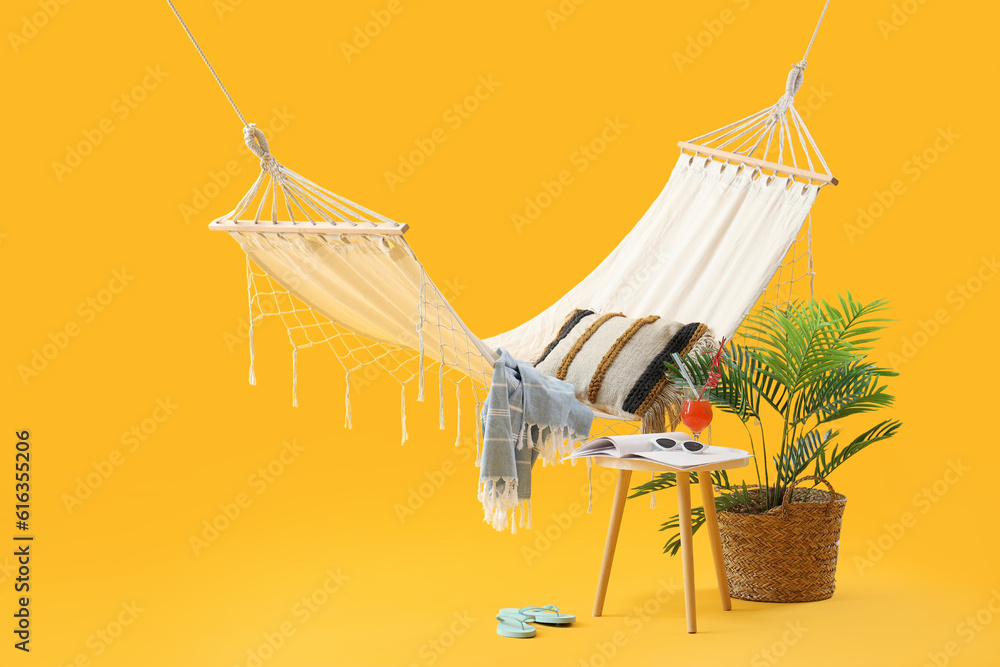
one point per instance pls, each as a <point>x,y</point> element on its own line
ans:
<point>754,135</point>
<point>208,64</point>
<point>812,39</point>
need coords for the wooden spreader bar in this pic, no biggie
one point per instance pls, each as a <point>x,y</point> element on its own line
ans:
<point>755,162</point>
<point>306,227</point>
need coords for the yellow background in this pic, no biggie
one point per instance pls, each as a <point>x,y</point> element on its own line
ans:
<point>878,93</point>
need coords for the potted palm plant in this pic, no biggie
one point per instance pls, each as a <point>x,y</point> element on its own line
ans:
<point>799,371</point>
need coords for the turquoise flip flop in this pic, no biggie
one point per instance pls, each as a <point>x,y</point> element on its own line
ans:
<point>514,625</point>
<point>547,615</point>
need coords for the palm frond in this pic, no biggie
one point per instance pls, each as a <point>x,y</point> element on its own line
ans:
<point>838,456</point>
<point>855,320</point>
<point>795,458</point>
<point>726,501</point>
<point>668,480</point>
<point>848,389</point>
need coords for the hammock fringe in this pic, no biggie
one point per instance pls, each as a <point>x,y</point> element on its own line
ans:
<point>441,396</point>
<point>458,415</point>
<point>347,401</point>
<point>402,412</point>
<point>253,376</point>
<point>295,376</point>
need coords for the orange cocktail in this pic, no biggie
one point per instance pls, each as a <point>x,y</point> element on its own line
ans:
<point>696,414</point>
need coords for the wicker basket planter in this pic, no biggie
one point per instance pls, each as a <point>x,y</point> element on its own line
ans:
<point>789,553</point>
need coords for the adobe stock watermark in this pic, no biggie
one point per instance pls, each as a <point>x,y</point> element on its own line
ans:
<point>561,12</point>
<point>131,439</point>
<point>899,15</point>
<point>302,611</point>
<point>364,33</point>
<point>558,524</point>
<point>710,30</point>
<point>957,299</point>
<point>454,117</point>
<point>913,169</point>
<point>121,108</point>
<point>56,342</point>
<point>966,632</point>
<point>635,620</point>
<point>218,180</point>
<point>811,99</point>
<point>580,160</point>
<point>102,639</point>
<point>657,261</point>
<point>779,648</point>
<point>32,23</point>
<point>230,511</point>
<point>224,7</point>
<point>434,480</point>
<point>431,650</point>
<point>923,502</point>
<point>641,614</point>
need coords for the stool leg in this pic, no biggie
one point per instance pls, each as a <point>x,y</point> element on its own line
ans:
<point>687,553</point>
<point>712,526</point>
<point>617,509</point>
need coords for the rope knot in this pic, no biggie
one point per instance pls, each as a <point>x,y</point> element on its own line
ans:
<point>795,78</point>
<point>269,164</point>
<point>256,141</point>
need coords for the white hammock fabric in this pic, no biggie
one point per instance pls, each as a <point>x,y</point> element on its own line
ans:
<point>705,249</point>
<point>341,275</point>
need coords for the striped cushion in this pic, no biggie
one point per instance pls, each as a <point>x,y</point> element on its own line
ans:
<point>616,362</point>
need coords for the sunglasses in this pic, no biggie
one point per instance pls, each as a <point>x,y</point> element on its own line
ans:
<point>670,444</point>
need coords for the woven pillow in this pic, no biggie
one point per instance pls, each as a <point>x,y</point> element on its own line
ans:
<point>616,362</point>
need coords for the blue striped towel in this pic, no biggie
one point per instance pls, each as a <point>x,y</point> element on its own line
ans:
<point>526,416</point>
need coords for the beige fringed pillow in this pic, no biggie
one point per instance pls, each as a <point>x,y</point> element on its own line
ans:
<point>616,362</point>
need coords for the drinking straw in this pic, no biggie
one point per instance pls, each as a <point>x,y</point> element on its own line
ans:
<point>683,372</point>
<point>712,374</point>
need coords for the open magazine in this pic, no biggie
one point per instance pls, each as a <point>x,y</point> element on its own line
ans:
<point>671,449</point>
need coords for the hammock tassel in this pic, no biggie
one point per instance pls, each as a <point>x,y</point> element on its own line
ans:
<point>420,369</point>
<point>458,416</point>
<point>441,396</point>
<point>402,411</point>
<point>420,340</point>
<point>590,487</point>
<point>295,376</point>
<point>347,401</point>
<point>253,376</point>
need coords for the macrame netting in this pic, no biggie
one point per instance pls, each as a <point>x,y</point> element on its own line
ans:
<point>363,296</point>
<point>307,328</point>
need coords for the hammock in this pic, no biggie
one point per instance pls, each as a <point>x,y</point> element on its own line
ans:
<point>342,276</point>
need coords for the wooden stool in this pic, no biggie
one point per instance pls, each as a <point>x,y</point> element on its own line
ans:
<point>625,468</point>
